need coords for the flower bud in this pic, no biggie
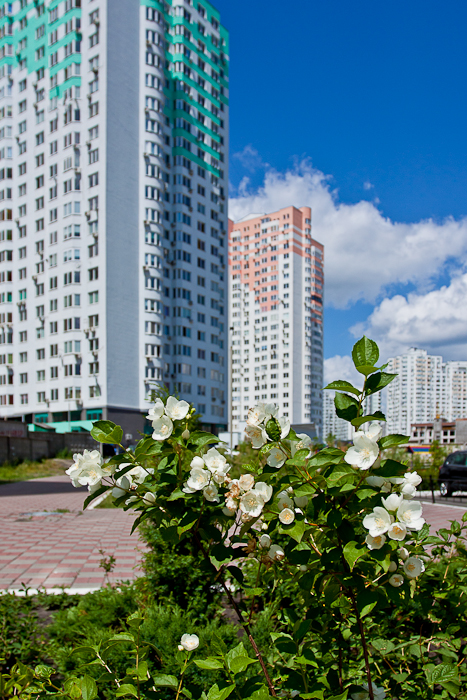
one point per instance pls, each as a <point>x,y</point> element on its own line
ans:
<point>392,567</point>
<point>180,648</point>
<point>272,429</point>
<point>265,541</point>
<point>186,434</point>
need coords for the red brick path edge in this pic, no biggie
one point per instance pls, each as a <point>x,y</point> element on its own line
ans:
<point>39,549</point>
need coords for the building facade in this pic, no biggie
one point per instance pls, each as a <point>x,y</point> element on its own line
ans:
<point>426,389</point>
<point>113,211</point>
<point>276,277</point>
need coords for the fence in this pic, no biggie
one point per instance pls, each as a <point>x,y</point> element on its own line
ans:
<point>43,445</point>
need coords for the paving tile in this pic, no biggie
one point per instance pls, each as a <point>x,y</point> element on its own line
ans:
<point>58,551</point>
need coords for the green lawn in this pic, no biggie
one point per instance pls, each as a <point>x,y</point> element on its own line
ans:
<point>32,470</point>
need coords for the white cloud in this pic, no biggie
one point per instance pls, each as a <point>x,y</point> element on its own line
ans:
<point>365,252</point>
<point>250,159</point>
<point>341,367</point>
<point>436,321</point>
<point>367,185</point>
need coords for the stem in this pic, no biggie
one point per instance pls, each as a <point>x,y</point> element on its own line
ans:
<point>244,624</point>
<point>256,586</point>
<point>107,668</point>
<point>364,644</point>
<point>181,679</point>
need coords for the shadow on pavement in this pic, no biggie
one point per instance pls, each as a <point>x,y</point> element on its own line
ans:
<point>38,487</point>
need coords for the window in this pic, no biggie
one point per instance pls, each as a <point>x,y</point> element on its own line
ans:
<point>93,109</point>
<point>39,141</point>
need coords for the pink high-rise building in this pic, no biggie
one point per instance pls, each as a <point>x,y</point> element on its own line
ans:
<point>276,282</point>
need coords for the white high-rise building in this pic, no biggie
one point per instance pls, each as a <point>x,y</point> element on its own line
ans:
<point>425,390</point>
<point>113,211</point>
<point>276,315</point>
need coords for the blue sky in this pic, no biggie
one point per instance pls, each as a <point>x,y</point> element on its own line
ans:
<point>372,96</point>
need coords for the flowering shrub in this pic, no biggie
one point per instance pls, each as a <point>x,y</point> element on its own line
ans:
<point>340,528</point>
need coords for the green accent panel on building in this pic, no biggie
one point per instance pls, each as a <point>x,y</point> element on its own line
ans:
<point>63,426</point>
<point>178,151</point>
<point>189,137</point>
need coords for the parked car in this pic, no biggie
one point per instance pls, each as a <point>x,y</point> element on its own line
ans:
<point>453,474</point>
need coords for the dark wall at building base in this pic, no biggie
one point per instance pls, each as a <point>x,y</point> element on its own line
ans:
<point>42,445</point>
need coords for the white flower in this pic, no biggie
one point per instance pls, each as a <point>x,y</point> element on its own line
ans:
<point>163,428</point>
<point>276,458</point>
<point>198,479</point>
<point>157,411</point>
<point>257,436</point>
<point>251,503</point>
<point>375,542</point>
<point>403,553</point>
<point>197,463</point>
<point>246,482</point>
<point>410,513</point>
<point>231,504</point>
<point>275,552</point>
<point>264,490</point>
<point>284,500</point>
<point>374,432</point>
<point>210,493</point>
<point>376,481</point>
<point>304,442</point>
<point>364,452</point>
<point>149,498</point>
<point>377,522</point>
<point>301,501</point>
<point>397,531</point>
<point>271,410</point>
<point>413,478</point>
<point>408,491</point>
<point>264,541</point>
<point>123,486</point>
<point>396,580</point>
<point>392,502</point>
<point>284,426</point>
<point>378,693</point>
<point>392,567</point>
<point>190,642</point>
<point>413,567</point>
<point>229,511</point>
<point>137,474</point>
<point>87,469</point>
<point>215,461</point>
<point>256,415</point>
<point>175,409</point>
<point>286,516</point>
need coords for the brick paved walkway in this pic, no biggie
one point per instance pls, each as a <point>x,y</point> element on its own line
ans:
<point>41,547</point>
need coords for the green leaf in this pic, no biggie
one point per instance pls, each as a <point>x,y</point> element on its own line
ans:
<point>216,694</point>
<point>88,688</point>
<point>377,415</point>
<point>94,494</point>
<point>365,352</point>
<point>346,406</point>
<point>337,473</point>
<point>296,530</point>
<point>378,381</point>
<point>392,440</point>
<point>106,431</point>
<point>342,696</point>
<point>366,601</point>
<point>260,694</point>
<point>209,664</point>
<point>200,439</point>
<point>240,663</point>
<point>165,681</point>
<point>187,522</point>
<point>126,689</point>
<point>341,385</point>
<point>353,552</point>
<point>443,673</point>
<point>235,653</point>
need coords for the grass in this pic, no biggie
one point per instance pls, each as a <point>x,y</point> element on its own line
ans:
<point>30,470</point>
